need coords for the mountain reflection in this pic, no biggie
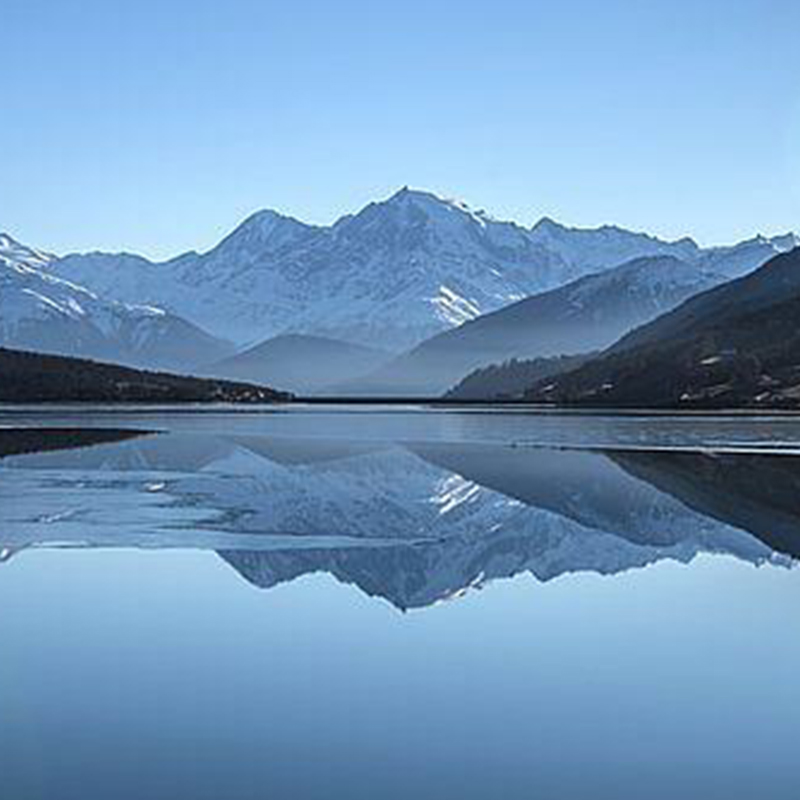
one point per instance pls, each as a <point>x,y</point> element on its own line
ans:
<point>19,441</point>
<point>410,522</point>
<point>756,493</point>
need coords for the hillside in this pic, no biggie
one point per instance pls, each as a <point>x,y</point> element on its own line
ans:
<point>737,345</point>
<point>299,363</point>
<point>32,378</point>
<point>512,378</point>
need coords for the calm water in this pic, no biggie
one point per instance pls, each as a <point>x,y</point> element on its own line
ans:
<point>400,604</point>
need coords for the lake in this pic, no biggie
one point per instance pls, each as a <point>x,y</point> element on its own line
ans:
<point>320,602</point>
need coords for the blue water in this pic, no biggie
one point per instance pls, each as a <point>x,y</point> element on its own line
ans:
<point>395,605</point>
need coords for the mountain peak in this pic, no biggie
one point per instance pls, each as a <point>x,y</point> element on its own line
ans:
<point>267,218</point>
<point>785,241</point>
<point>425,199</point>
<point>406,193</point>
<point>547,225</point>
<point>419,197</point>
<point>417,205</point>
<point>262,232</point>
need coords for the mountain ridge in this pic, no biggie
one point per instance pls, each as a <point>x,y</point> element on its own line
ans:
<point>394,273</point>
<point>40,311</point>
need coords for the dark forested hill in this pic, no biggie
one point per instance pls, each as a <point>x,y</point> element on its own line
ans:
<point>32,377</point>
<point>737,345</point>
<point>509,380</point>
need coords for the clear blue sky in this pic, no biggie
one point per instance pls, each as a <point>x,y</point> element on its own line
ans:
<point>157,126</point>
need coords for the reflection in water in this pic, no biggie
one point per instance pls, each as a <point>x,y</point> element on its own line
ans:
<point>757,493</point>
<point>17,441</point>
<point>411,522</point>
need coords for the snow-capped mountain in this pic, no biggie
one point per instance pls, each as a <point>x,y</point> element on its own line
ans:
<point>41,312</point>
<point>392,275</point>
<point>395,273</point>
<point>594,249</point>
<point>13,252</point>
<point>747,256</point>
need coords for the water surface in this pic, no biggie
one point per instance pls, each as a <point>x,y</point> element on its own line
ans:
<point>328,603</point>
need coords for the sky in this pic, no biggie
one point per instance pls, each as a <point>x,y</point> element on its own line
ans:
<point>156,127</point>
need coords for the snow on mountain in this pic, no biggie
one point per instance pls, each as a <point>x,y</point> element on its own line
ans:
<point>395,273</point>
<point>747,256</point>
<point>41,312</point>
<point>656,282</point>
<point>14,252</point>
<point>595,249</point>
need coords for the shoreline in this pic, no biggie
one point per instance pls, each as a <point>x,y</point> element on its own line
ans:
<point>365,404</point>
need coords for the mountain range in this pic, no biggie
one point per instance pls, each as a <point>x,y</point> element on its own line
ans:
<point>391,278</point>
<point>41,312</point>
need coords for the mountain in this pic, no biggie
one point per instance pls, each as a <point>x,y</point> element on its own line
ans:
<point>587,314</point>
<point>740,259</point>
<point>392,275</point>
<point>34,378</point>
<point>510,379</point>
<point>299,363</point>
<point>735,345</point>
<point>41,312</point>
<point>594,249</point>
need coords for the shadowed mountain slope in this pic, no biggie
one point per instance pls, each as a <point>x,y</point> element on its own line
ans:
<point>301,364</point>
<point>737,345</point>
